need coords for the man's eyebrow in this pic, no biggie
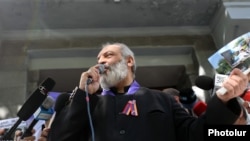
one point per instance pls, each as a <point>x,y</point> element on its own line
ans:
<point>99,55</point>
<point>108,52</point>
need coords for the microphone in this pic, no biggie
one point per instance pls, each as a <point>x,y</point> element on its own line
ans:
<point>204,82</point>
<point>61,101</point>
<point>246,96</point>
<point>223,90</point>
<point>199,108</point>
<point>44,112</point>
<point>187,97</point>
<point>101,69</point>
<point>31,105</point>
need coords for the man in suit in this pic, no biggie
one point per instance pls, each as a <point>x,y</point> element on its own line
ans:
<point>126,111</point>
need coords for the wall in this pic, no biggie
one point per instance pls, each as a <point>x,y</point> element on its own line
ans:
<point>18,80</point>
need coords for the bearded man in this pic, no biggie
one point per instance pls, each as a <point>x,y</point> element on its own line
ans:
<point>126,111</point>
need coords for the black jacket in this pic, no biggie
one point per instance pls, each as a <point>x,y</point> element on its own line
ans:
<point>160,118</point>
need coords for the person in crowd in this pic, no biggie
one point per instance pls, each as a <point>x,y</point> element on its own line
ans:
<point>18,134</point>
<point>245,101</point>
<point>246,105</point>
<point>127,111</point>
<point>242,119</point>
<point>44,134</point>
<point>176,94</point>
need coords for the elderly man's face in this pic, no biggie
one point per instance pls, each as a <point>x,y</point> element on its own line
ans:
<point>117,72</point>
<point>109,55</point>
<point>118,69</point>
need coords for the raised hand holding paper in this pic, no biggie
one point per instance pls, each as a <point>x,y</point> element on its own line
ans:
<point>236,54</point>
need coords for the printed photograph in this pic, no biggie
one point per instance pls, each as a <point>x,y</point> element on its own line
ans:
<point>236,54</point>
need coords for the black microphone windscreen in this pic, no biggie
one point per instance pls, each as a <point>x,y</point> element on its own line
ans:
<point>36,99</point>
<point>187,96</point>
<point>204,82</point>
<point>61,101</point>
<point>43,113</point>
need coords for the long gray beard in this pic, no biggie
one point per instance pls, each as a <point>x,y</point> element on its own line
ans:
<point>117,72</point>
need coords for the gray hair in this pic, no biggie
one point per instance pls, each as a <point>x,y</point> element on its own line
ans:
<point>125,51</point>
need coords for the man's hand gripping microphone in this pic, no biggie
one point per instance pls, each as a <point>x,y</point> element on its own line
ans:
<point>101,69</point>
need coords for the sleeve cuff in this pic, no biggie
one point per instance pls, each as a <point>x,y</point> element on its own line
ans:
<point>221,113</point>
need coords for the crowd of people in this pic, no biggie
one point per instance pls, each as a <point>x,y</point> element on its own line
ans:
<point>126,111</point>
